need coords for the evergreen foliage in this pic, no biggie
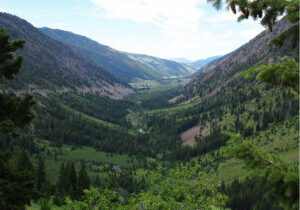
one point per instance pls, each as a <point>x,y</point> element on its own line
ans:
<point>16,180</point>
<point>249,193</point>
<point>14,111</point>
<point>40,174</point>
<point>83,181</point>
<point>16,171</point>
<point>283,176</point>
<point>285,73</point>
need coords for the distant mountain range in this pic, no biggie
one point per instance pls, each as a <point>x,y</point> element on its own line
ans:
<point>167,67</point>
<point>181,60</point>
<point>198,63</point>
<point>127,67</point>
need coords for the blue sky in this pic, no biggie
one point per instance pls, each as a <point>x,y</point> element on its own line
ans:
<point>192,29</point>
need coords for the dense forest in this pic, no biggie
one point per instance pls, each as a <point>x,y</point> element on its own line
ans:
<point>227,138</point>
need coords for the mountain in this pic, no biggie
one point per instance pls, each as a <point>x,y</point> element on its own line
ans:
<point>181,60</point>
<point>167,67</point>
<point>196,64</point>
<point>122,66</point>
<point>200,63</point>
<point>78,102</point>
<point>219,73</point>
<point>51,66</point>
<point>116,144</point>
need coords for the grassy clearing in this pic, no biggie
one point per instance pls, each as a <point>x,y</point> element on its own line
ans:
<point>92,157</point>
<point>156,91</point>
<point>155,86</point>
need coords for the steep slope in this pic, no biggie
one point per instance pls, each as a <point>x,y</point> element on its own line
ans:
<point>217,105</point>
<point>75,97</point>
<point>51,66</point>
<point>219,73</point>
<point>117,63</point>
<point>167,67</point>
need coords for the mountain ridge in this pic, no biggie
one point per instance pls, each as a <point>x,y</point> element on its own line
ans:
<point>167,67</point>
<point>197,64</point>
<point>118,63</point>
<point>202,62</point>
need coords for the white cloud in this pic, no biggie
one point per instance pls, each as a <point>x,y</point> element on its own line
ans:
<point>249,34</point>
<point>189,32</point>
<point>2,10</point>
<point>151,11</point>
<point>172,16</point>
<point>223,17</point>
<point>178,20</point>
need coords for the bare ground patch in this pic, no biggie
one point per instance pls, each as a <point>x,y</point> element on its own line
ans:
<point>188,137</point>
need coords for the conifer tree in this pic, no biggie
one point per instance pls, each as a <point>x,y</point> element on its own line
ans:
<point>61,186</point>
<point>97,181</point>
<point>40,174</point>
<point>72,181</point>
<point>14,111</point>
<point>16,180</point>
<point>83,181</point>
<point>62,180</point>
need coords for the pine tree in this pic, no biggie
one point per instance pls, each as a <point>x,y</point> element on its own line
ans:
<point>14,111</point>
<point>16,180</point>
<point>40,174</point>
<point>62,185</point>
<point>97,181</point>
<point>72,181</point>
<point>83,181</point>
<point>21,160</point>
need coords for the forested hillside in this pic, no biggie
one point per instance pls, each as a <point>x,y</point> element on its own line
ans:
<point>51,66</point>
<point>223,70</point>
<point>121,65</point>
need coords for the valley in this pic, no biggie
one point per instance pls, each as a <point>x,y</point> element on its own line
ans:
<point>155,130</point>
<point>132,131</point>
